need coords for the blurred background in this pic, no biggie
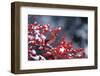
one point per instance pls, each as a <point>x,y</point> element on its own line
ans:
<point>75,28</point>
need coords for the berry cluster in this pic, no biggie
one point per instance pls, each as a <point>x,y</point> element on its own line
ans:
<point>40,44</point>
